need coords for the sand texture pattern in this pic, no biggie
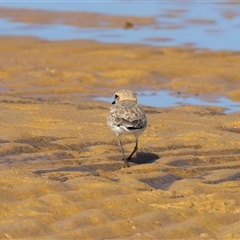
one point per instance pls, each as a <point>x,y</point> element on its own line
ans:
<point>62,176</point>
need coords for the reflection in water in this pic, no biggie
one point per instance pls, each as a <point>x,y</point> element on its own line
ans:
<point>192,24</point>
<point>201,25</point>
<point>166,99</point>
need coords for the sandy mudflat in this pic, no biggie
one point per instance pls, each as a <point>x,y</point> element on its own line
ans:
<point>78,19</point>
<point>62,176</point>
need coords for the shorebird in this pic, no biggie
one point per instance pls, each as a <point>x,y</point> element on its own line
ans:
<point>126,117</point>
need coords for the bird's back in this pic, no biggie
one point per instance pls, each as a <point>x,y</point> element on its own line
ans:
<point>127,113</point>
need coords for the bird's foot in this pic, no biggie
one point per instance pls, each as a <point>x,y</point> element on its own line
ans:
<point>126,163</point>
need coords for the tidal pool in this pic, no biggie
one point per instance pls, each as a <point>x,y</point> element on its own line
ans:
<point>165,98</point>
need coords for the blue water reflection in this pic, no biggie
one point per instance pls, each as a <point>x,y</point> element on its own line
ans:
<point>107,7</point>
<point>165,98</point>
<point>177,23</point>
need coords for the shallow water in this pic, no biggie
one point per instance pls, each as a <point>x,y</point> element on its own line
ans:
<point>165,98</point>
<point>202,25</point>
<point>177,24</point>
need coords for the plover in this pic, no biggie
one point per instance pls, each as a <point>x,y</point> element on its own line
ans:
<point>126,117</point>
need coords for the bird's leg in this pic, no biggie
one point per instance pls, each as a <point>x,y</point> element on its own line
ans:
<point>134,150</point>
<point>124,158</point>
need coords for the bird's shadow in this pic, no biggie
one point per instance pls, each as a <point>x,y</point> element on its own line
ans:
<point>144,157</point>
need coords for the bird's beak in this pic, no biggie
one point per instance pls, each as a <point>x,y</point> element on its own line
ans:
<point>113,102</point>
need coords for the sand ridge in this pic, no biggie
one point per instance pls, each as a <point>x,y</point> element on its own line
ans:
<point>62,176</point>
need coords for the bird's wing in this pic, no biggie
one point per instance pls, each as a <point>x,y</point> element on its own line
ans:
<point>120,115</point>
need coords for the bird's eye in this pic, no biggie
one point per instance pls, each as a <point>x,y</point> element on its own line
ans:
<point>116,96</point>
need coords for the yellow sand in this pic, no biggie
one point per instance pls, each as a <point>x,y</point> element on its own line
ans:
<point>62,176</point>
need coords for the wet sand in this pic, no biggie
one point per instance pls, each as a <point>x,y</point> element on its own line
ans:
<point>77,19</point>
<point>62,176</point>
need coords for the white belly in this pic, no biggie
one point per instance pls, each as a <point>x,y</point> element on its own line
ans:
<point>124,131</point>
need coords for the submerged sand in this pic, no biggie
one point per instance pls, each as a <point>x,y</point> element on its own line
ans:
<point>77,19</point>
<point>62,176</point>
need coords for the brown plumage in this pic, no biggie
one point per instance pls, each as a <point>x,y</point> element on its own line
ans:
<point>125,117</point>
